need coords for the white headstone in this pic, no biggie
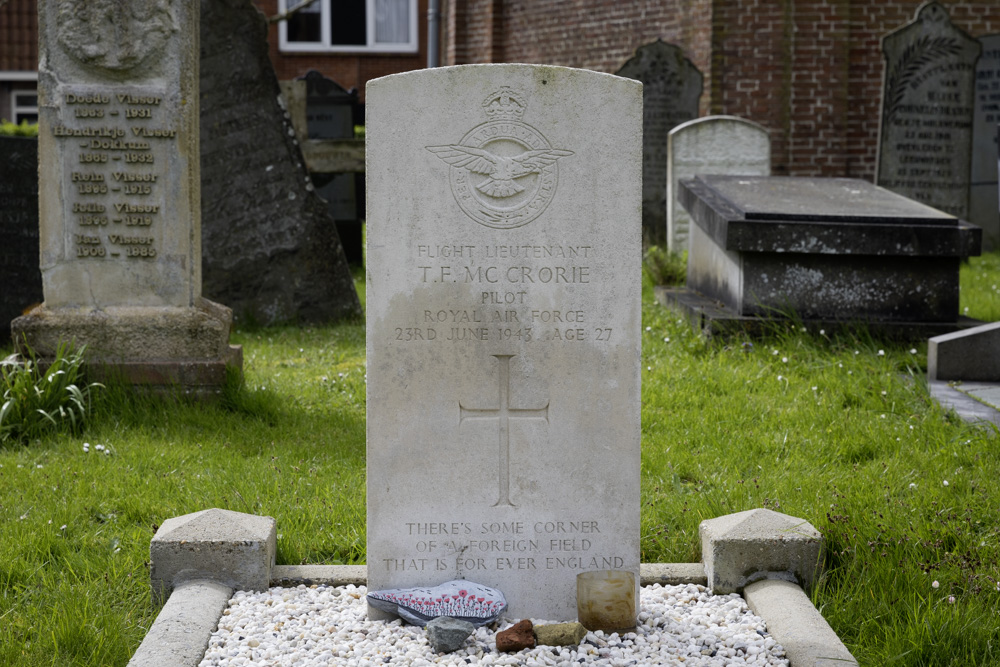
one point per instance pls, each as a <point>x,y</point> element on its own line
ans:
<point>724,145</point>
<point>504,223</point>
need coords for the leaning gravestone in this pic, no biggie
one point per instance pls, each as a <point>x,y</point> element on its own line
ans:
<point>925,136</point>
<point>983,201</point>
<point>711,145</point>
<point>119,209</point>
<point>271,249</point>
<point>503,330</point>
<point>19,274</point>
<point>671,89</point>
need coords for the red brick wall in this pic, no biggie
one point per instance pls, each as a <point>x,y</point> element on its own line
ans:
<point>349,70</point>
<point>809,70</point>
<point>19,36</point>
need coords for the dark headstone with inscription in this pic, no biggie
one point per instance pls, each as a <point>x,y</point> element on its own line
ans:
<point>119,197</point>
<point>270,247</point>
<point>19,273</point>
<point>983,197</point>
<point>925,136</point>
<point>671,88</point>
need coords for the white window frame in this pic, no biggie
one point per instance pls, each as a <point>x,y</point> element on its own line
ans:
<point>17,108</point>
<point>324,44</point>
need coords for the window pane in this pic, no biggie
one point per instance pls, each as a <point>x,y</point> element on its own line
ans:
<point>347,23</point>
<point>26,99</point>
<point>304,25</point>
<point>392,21</point>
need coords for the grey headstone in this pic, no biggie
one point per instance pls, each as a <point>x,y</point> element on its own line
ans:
<point>925,132</point>
<point>972,355</point>
<point>671,87</point>
<point>19,273</point>
<point>270,247</point>
<point>503,330</point>
<point>711,145</point>
<point>983,198</point>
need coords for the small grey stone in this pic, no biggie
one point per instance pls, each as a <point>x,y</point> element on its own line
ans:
<point>447,634</point>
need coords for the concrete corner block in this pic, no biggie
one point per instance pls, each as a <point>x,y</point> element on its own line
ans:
<point>231,548</point>
<point>972,355</point>
<point>739,549</point>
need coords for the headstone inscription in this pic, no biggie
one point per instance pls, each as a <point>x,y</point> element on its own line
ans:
<point>19,274</point>
<point>503,330</point>
<point>925,133</point>
<point>119,208</point>
<point>271,249</point>
<point>711,145</point>
<point>671,87</point>
<point>983,196</point>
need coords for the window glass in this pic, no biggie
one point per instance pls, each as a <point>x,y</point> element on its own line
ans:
<point>348,23</point>
<point>305,25</point>
<point>392,21</point>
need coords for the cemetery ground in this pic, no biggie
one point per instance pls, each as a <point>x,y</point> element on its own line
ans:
<point>836,429</point>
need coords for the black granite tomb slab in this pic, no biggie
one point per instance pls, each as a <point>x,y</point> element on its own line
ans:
<point>19,272</point>
<point>823,249</point>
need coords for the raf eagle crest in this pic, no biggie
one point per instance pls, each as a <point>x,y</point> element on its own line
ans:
<point>516,161</point>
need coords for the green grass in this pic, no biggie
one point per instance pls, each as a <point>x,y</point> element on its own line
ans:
<point>837,430</point>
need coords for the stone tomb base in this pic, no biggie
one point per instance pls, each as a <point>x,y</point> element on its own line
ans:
<point>824,250</point>
<point>157,348</point>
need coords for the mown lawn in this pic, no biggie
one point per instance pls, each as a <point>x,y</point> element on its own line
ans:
<point>837,430</point>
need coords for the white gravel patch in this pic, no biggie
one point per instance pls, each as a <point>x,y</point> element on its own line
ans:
<point>325,625</point>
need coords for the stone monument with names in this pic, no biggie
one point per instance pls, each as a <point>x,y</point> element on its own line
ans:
<point>671,87</point>
<point>19,275</point>
<point>983,198</point>
<point>504,245</point>
<point>711,145</point>
<point>925,132</point>
<point>271,248</point>
<point>119,205</point>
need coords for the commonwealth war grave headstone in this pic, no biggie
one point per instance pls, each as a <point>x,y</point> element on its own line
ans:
<point>671,87</point>
<point>119,209</point>
<point>925,135</point>
<point>503,330</point>
<point>983,197</point>
<point>19,274</point>
<point>711,145</point>
<point>271,249</point>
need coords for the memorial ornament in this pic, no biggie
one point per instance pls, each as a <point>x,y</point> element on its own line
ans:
<point>464,600</point>
<point>517,161</point>
<point>115,35</point>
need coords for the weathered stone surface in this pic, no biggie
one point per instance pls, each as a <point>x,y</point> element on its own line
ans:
<point>559,634</point>
<point>503,330</point>
<point>738,549</point>
<point>119,210</point>
<point>19,273</point>
<point>836,249</point>
<point>270,247</point>
<point>710,145</point>
<point>231,548</point>
<point>972,355</point>
<point>446,634</point>
<point>983,197</point>
<point>671,88</point>
<point>516,637</point>
<point>925,137</point>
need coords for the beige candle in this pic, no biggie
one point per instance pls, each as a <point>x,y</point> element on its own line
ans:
<point>605,600</point>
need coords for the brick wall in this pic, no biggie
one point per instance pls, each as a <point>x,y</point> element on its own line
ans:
<point>19,36</point>
<point>349,70</point>
<point>809,70</point>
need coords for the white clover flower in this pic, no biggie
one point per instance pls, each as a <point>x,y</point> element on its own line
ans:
<point>951,599</point>
<point>784,360</point>
<point>881,353</point>
<point>62,527</point>
<point>913,485</point>
<point>885,393</point>
<point>883,415</point>
<point>649,328</point>
<point>667,339</point>
<point>945,482</point>
<point>38,465</point>
<point>780,378</point>
<point>935,584</point>
<point>815,388</point>
<point>913,350</point>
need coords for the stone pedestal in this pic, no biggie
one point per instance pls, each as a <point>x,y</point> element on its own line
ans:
<point>823,249</point>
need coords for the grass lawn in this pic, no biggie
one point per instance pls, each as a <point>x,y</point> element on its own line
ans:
<point>839,431</point>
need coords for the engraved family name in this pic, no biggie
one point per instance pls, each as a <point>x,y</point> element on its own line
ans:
<point>503,329</point>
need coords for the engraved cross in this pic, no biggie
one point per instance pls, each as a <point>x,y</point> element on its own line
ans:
<point>503,415</point>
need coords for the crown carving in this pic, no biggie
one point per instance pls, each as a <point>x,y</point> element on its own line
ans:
<point>504,104</point>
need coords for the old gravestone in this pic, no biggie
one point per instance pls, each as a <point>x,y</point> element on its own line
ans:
<point>271,249</point>
<point>671,89</point>
<point>710,145</point>
<point>503,330</point>
<point>19,274</point>
<point>925,135</point>
<point>983,196</point>
<point>119,209</point>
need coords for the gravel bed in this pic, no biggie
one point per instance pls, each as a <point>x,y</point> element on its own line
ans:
<point>326,625</point>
